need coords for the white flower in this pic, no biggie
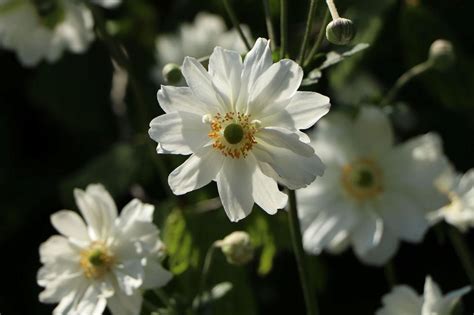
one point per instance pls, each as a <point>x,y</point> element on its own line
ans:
<point>196,40</point>
<point>240,121</point>
<point>403,300</point>
<point>109,4</point>
<point>43,30</point>
<point>373,193</point>
<point>460,191</point>
<point>106,262</point>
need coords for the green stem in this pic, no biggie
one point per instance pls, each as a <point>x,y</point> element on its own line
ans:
<point>309,23</point>
<point>235,22</point>
<point>283,28</point>
<point>296,238</point>
<point>462,251</point>
<point>269,23</point>
<point>390,274</point>
<point>404,79</point>
<point>204,273</point>
<point>319,40</point>
<point>332,8</point>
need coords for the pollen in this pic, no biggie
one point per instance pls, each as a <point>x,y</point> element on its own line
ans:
<point>96,260</point>
<point>233,134</point>
<point>362,179</point>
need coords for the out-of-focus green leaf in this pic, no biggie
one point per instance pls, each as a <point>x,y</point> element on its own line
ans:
<point>262,237</point>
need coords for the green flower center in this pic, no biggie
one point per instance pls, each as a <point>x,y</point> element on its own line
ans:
<point>96,258</point>
<point>50,12</point>
<point>96,261</point>
<point>233,133</point>
<point>362,179</point>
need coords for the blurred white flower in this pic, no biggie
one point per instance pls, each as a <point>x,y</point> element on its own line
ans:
<point>109,4</point>
<point>241,122</point>
<point>196,40</point>
<point>460,191</point>
<point>104,263</point>
<point>38,30</point>
<point>403,300</point>
<point>373,193</point>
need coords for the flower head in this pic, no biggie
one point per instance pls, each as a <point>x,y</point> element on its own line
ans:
<point>241,122</point>
<point>459,188</point>
<point>373,193</point>
<point>103,263</point>
<point>39,30</point>
<point>404,300</point>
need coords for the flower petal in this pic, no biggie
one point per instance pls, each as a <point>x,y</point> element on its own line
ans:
<point>284,138</point>
<point>383,251</point>
<point>155,275</point>
<point>70,224</point>
<point>225,68</point>
<point>373,131</point>
<point>274,89</point>
<point>197,171</point>
<point>368,232</point>
<point>179,132</point>
<point>234,183</point>
<point>306,108</point>
<point>58,246</point>
<point>129,275</point>
<point>181,99</point>
<point>200,83</point>
<point>266,193</point>
<point>402,300</point>
<point>122,304</point>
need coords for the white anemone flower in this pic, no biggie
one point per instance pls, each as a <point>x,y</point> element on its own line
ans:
<point>109,4</point>
<point>241,122</point>
<point>38,30</point>
<point>106,261</point>
<point>197,40</point>
<point>373,193</point>
<point>403,300</point>
<point>459,188</point>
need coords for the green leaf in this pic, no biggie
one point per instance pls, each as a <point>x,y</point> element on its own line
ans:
<point>262,237</point>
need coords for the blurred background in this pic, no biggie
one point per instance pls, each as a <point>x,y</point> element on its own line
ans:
<point>60,129</point>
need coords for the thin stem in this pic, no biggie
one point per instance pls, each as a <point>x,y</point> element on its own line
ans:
<point>332,9</point>
<point>205,272</point>
<point>462,251</point>
<point>404,79</point>
<point>235,22</point>
<point>390,274</point>
<point>309,23</point>
<point>295,230</point>
<point>319,40</point>
<point>283,28</point>
<point>269,23</point>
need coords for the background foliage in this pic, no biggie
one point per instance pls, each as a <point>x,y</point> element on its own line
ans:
<point>58,130</point>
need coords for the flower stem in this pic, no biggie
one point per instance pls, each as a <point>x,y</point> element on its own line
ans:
<point>462,251</point>
<point>205,272</point>
<point>319,40</point>
<point>390,274</point>
<point>332,8</point>
<point>235,22</point>
<point>404,79</point>
<point>269,23</point>
<point>295,230</point>
<point>309,23</point>
<point>283,27</point>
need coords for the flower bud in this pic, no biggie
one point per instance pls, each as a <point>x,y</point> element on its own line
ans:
<point>172,73</point>
<point>442,54</point>
<point>340,31</point>
<point>237,248</point>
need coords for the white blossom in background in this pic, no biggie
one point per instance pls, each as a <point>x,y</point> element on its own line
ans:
<point>459,188</point>
<point>196,40</point>
<point>241,122</point>
<point>403,300</point>
<point>105,261</point>
<point>109,4</point>
<point>42,30</point>
<point>373,193</point>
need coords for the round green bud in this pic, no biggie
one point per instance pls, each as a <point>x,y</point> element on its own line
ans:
<point>237,248</point>
<point>340,31</point>
<point>442,54</point>
<point>234,133</point>
<point>172,73</point>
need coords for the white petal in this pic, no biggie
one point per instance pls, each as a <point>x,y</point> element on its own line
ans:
<point>402,300</point>
<point>70,224</point>
<point>136,210</point>
<point>98,208</point>
<point>234,183</point>
<point>122,304</point>
<point>155,275</point>
<point>383,252</point>
<point>225,68</point>
<point>59,286</point>
<point>284,138</point>
<point>274,89</point>
<point>287,167</point>
<point>432,296</point>
<point>256,62</point>
<point>451,299</point>
<point>266,193</point>
<point>306,108</point>
<point>197,171</point>
<point>368,232</point>
<point>179,132</point>
<point>129,275</point>
<point>181,99</point>
<point>404,216</point>
<point>200,83</point>
<point>57,246</point>
<point>373,131</point>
